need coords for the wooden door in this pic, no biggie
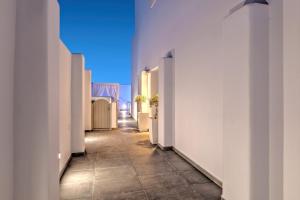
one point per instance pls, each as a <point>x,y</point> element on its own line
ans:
<point>101,114</point>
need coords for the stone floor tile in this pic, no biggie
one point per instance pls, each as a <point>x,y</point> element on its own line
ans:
<point>116,186</point>
<point>168,181</point>
<point>140,195</point>
<point>72,191</point>
<point>114,172</point>
<point>194,177</point>
<point>207,190</point>
<point>153,168</point>
<point>78,176</point>
<point>181,165</point>
<point>80,165</point>
<point>113,162</point>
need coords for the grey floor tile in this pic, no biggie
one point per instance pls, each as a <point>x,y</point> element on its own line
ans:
<point>79,165</point>
<point>207,190</point>
<point>149,159</point>
<point>72,191</point>
<point>116,186</point>
<point>181,165</point>
<point>114,172</point>
<point>113,162</point>
<point>168,181</point>
<point>78,177</point>
<point>175,193</point>
<point>153,168</point>
<point>194,177</point>
<point>139,195</point>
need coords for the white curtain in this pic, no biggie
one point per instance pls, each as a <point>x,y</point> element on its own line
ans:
<point>106,90</point>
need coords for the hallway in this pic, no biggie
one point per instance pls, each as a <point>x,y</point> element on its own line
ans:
<point>122,164</point>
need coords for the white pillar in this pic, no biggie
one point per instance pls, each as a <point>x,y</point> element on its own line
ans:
<point>77,108</point>
<point>36,101</point>
<point>88,100</point>
<point>246,139</point>
<point>7,56</point>
<point>291,85</point>
<point>64,106</point>
<point>166,103</point>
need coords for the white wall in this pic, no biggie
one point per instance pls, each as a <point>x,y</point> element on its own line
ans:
<point>196,39</point>
<point>7,57</point>
<point>88,100</point>
<point>246,122</point>
<point>291,71</point>
<point>64,106</point>
<point>53,42</point>
<point>77,104</point>
<point>36,101</point>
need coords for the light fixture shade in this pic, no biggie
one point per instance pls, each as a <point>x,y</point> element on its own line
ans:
<point>256,1</point>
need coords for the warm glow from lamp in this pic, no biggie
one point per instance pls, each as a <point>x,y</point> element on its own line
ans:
<point>145,90</point>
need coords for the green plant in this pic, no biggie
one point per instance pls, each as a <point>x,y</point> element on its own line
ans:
<point>140,98</point>
<point>154,100</point>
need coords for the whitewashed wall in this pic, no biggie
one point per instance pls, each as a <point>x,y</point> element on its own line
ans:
<point>64,105</point>
<point>7,59</point>
<point>77,103</point>
<point>245,108</point>
<point>196,38</point>
<point>36,100</point>
<point>88,100</point>
<point>291,71</point>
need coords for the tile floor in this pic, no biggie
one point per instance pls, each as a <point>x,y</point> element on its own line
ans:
<point>123,165</point>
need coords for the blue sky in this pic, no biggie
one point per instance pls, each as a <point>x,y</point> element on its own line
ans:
<point>102,30</point>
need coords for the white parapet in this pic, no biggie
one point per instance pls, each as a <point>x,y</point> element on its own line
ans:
<point>64,106</point>
<point>88,100</point>
<point>77,108</point>
<point>166,103</point>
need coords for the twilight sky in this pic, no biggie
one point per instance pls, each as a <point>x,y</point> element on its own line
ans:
<point>102,30</point>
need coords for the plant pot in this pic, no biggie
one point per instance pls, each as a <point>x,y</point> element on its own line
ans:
<point>143,122</point>
<point>153,131</point>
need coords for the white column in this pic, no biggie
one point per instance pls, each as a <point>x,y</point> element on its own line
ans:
<point>36,101</point>
<point>7,56</point>
<point>88,100</point>
<point>64,106</point>
<point>291,85</point>
<point>77,108</point>
<point>246,139</point>
<point>166,103</point>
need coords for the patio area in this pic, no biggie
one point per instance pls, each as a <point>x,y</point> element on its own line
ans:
<point>123,165</point>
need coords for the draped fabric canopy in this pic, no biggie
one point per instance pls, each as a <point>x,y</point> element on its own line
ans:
<point>106,90</point>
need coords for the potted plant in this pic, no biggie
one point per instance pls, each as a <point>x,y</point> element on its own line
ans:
<point>139,99</point>
<point>154,105</point>
<point>153,132</point>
